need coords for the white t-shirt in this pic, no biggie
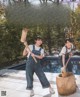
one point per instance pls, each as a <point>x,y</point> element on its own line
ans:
<point>64,50</point>
<point>36,48</point>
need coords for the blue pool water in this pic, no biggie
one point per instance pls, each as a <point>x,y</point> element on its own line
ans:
<point>52,64</point>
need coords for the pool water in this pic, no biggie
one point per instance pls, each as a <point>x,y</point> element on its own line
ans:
<point>53,65</point>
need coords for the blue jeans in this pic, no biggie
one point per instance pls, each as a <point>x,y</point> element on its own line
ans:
<point>69,66</point>
<point>32,67</point>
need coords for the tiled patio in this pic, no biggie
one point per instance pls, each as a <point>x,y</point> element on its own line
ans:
<point>13,84</point>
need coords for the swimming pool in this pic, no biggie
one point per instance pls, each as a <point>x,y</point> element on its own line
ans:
<point>52,64</point>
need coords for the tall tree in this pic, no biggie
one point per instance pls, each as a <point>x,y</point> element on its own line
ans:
<point>75,26</point>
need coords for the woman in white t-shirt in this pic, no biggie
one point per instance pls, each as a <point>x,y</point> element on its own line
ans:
<point>65,53</point>
<point>32,66</point>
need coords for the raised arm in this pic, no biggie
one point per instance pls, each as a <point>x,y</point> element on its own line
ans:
<point>25,52</point>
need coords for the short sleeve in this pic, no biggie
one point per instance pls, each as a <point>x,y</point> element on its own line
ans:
<point>42,52</point>
<point>31,47</point>
<point>63,51</point>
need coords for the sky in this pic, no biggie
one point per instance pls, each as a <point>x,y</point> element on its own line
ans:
<point>73,5</point>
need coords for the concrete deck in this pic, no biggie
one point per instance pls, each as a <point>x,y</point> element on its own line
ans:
<point>13,84</point>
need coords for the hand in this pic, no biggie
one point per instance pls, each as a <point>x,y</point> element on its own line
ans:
<point>71,54</point>
<point>64,66</point>
<point>33,55</point>
<point>25,43</point>
<point>63,69</point>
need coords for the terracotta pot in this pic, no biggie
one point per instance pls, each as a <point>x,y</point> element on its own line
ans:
<point>66,84</point>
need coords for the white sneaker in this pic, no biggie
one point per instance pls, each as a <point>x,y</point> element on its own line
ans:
<point>51,90</point>
<point>32,93</point>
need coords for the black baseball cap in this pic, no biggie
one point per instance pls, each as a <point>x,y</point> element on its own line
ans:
<point>38,38</point>
<point>68,39</point>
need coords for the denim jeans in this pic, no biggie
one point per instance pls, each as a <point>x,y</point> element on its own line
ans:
<point>31,68</point>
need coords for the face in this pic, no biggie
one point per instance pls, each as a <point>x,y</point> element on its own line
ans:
<point>68,44</point>
<point>38,42</point>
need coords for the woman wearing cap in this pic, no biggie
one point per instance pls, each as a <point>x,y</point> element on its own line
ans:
<point>65,53</point>
<point>32,66</point>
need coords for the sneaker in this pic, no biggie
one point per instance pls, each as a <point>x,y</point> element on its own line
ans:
<point>51,90</point>
<point>32,93</point>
